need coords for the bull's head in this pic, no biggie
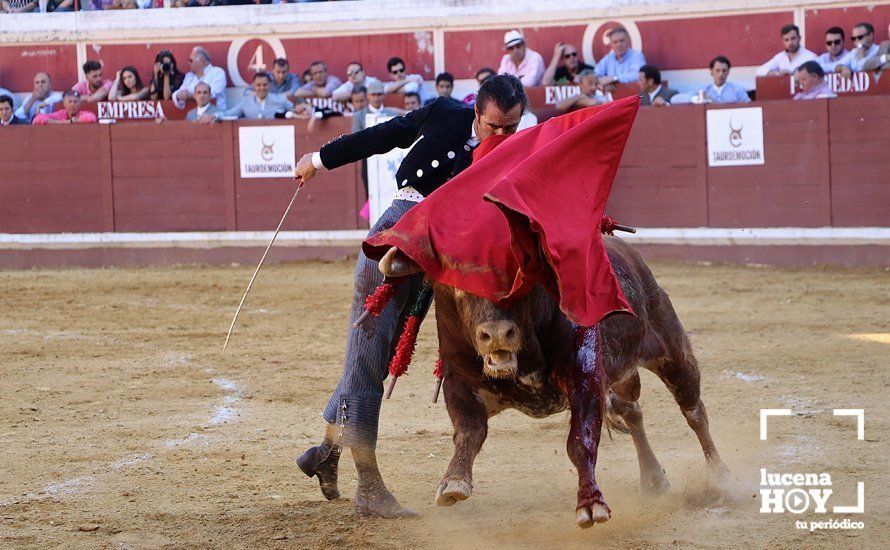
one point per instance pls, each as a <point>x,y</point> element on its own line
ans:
<point>495,333</point>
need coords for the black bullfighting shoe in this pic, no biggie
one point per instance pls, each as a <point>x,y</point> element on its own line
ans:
<point>321,461</point>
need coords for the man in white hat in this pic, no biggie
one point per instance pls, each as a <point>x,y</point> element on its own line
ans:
<point>525,64</point>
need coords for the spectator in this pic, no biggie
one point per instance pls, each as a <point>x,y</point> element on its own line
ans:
<point>69,114</point>
<point>355,78</point>
<point>60,6</point>
<point>863,36</point>
<point>7,116</point>
<point>375,107</point>
<point>166,77</point>
<point>358,99</point>
<point>322,83</point>
<point>105,5</point>
<point>653,93</point>
<point>127,86</point>
<point>882,59</point>
<point>283,81</point>
<point>202,70</point>
<point>788,60</point>
<point>481,76</point>
<point>19,6</point>
<point>444,87</point>
<point>4,91</point>
<point>260,104</point>
<point>93,88</point>
<point>42,100</point>
<point>835,58</point>
<point>306,77</point>
<point>564,66</point>
<point>412,101</point>
<point>401,81</point>
<point>201,3</point>
<point>623,63</point>
<point>588,97</point>
<point>202,97</point>
<point>520,61</point>
<point>722,91</point>
<point>811,79</point>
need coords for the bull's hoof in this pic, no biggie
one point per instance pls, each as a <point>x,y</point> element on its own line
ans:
<point>379,503</point>
<point>452,491</point>
<point>655,483</point>
<point>586,516</point>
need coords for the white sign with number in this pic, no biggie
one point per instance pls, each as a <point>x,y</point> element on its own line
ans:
<point>735,137</point>
<point>267,151</point>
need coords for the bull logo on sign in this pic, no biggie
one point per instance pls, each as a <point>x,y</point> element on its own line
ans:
<point>735,134</point>
<point>267,152</point>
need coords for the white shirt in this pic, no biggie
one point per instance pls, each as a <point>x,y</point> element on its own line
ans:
<point>855,62</point>
<point>830,64</point>
<point>345,89</point>
<point>654,93</point>
<point>201,110</point>
<point>781,63</point>
<point>214,76</point>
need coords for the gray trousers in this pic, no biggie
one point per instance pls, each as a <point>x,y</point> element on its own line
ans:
<point>355,404</point>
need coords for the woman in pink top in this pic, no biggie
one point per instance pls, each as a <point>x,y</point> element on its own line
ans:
<point>70,112</point>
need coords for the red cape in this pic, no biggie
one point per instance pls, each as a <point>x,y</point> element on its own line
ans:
<point>526,212</point>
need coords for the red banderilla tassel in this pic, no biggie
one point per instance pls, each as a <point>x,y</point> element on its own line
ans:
<point>377,301</point>
<point>437,372</point>
<point>404,352</point>
<point>609,225</point>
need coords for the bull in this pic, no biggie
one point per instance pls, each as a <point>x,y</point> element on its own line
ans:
<point>531,357</point>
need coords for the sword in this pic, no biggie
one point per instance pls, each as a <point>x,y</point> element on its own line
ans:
<point>259,265</point>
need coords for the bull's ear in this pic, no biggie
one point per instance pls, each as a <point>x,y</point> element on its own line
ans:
<point>396,264</point>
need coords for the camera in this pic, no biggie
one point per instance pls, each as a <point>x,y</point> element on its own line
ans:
<point>166,66</point>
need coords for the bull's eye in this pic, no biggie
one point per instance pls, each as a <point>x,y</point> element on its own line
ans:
<point>485,337</point>
<point>510,334</point>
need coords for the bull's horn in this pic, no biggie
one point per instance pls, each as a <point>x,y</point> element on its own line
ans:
<point>396,264</point>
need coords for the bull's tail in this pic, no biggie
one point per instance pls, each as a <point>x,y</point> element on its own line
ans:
<point>613,420</point>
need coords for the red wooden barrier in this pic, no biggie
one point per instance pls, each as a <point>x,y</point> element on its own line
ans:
<point>863,83</point>
<point>826,164</point>
<point>175,176</point>
<point>792,188</point>
<point>662,178</point>
<point>330,201</point>
<point>56,179</point>
<point>860,161</point>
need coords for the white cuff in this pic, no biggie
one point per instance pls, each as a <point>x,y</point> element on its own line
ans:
<point>316,161</point>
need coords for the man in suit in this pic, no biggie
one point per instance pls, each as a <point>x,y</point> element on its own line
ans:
<point>653,93</point>
<point>7,115</point>
<point>443,134</point>
<point>202,96</point>
<point>260,104</point>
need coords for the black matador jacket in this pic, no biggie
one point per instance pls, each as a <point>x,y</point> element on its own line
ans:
<point>439,132</point>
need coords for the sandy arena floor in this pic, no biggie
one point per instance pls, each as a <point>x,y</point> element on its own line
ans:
<point>123,425</point>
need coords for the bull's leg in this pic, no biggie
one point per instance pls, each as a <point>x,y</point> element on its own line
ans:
<point>682,378</point>
<point>585,393</point>
<point>624,402</point>
<point>470,420</point>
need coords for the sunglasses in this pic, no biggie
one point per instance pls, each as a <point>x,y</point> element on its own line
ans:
<point>570,55</point>
<point>397,71</point>
<point>353,73</point>
<point>858,38</point>
<point>834,42</point>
